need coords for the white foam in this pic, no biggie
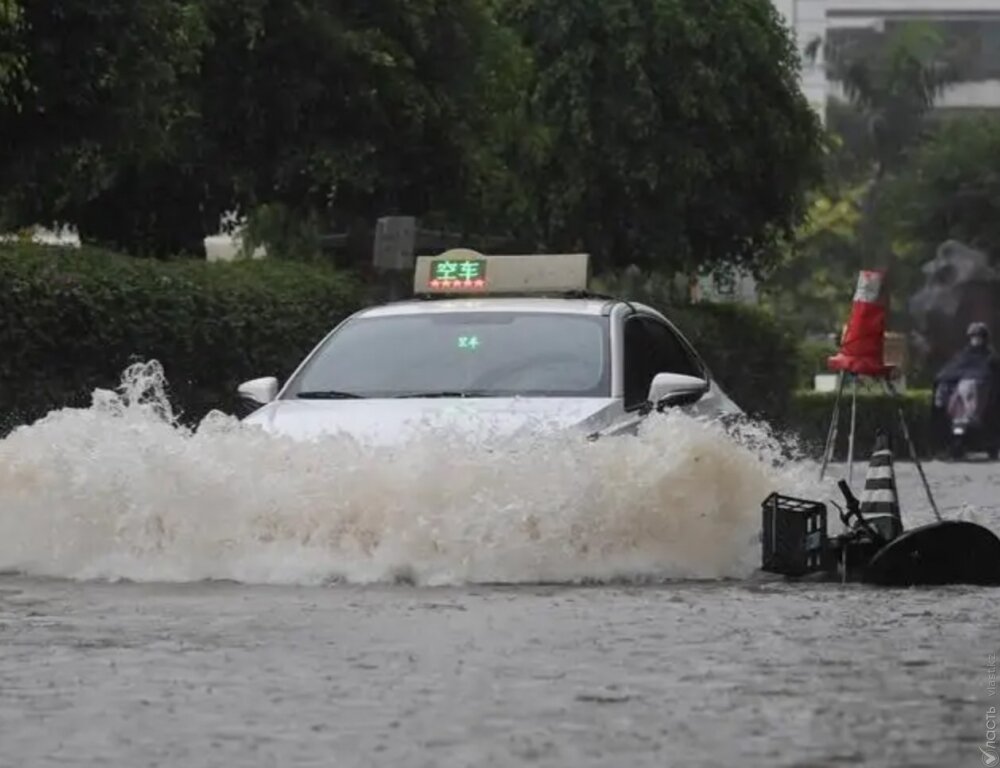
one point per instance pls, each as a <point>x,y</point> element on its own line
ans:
<point>119,491</point>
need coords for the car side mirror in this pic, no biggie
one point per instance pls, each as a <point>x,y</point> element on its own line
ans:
<point>260,391</point>
<point>674,390</point>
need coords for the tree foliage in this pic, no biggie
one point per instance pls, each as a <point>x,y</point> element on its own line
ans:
<point>363,109</point>
<point>668,132</point>
<point>892,87</point>
<point>11,51</point>
<point>102,118</point>
<point>142,121</point>
<point>811,283</point>
<point>892,84</point>
<point>677,133</point>
<point>951,189</point>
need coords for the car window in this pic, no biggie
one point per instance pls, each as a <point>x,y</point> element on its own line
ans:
<point>488,353</point>
<point>670,353</point>
<point>651,347</point>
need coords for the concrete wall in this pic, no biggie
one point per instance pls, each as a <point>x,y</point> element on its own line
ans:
<point>918,7</point>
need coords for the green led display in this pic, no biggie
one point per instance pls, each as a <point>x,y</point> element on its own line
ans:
<point>458,273</point>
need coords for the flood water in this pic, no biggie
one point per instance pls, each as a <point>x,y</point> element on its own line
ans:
<point>220,598</point>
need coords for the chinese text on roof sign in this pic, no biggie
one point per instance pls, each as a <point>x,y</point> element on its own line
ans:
<point>458,273</point>
<point>461,271</point>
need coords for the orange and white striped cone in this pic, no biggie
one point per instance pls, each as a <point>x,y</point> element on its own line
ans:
<point>862,349</point>
<point>880,499</point>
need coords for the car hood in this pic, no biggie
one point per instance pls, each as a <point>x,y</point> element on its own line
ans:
<point>393,421</point>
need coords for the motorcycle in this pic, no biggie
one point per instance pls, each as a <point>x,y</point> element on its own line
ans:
<point>965,398</point>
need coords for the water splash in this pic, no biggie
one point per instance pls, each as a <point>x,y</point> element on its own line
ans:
<point>121,491</point>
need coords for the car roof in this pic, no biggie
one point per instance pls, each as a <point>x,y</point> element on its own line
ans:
<point>578,306</point>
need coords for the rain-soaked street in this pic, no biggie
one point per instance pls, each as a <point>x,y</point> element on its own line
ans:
<point>743,672</point>
<point>396,384</point>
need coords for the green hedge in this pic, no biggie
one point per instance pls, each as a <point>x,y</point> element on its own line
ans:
<point>812,360</point>
<point>811,412</point>
<point>73,320</point>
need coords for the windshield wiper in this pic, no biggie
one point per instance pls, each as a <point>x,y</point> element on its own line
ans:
<point>446,394</point>
<point>329,394</point>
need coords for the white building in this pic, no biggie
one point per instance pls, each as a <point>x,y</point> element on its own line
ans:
<point>976,23</point>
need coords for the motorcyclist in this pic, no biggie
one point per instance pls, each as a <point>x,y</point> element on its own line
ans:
<point>979,362</point>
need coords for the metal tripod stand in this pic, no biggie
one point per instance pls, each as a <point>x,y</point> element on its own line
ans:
<point>831,438</point>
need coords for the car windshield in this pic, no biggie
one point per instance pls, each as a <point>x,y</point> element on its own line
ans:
<point>455,354</point>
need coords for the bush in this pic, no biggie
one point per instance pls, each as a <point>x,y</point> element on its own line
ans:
<point>812,357</point>
<point>810,415</point>
<point>752,356</point>
<point>73,320</point>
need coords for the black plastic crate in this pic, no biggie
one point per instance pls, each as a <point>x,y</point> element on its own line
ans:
<point>793,536</point>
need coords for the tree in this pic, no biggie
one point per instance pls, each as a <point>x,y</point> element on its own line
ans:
<point>808,286</point>
<point>144,120</point>
<point>666,132</point>
<point>11,54</point>
<point>892,85</point>
<point>343,112</point>
<point>94,130</point>
<point>676,130</point>
<point>951,188</point>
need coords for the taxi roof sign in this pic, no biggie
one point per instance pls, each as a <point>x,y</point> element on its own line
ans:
<point>463,271</point>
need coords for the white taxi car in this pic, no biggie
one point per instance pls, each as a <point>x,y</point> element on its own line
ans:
<point>494,344</point>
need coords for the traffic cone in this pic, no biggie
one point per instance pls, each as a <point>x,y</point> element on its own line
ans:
<point>880,501</point>
<point>862,349</point>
